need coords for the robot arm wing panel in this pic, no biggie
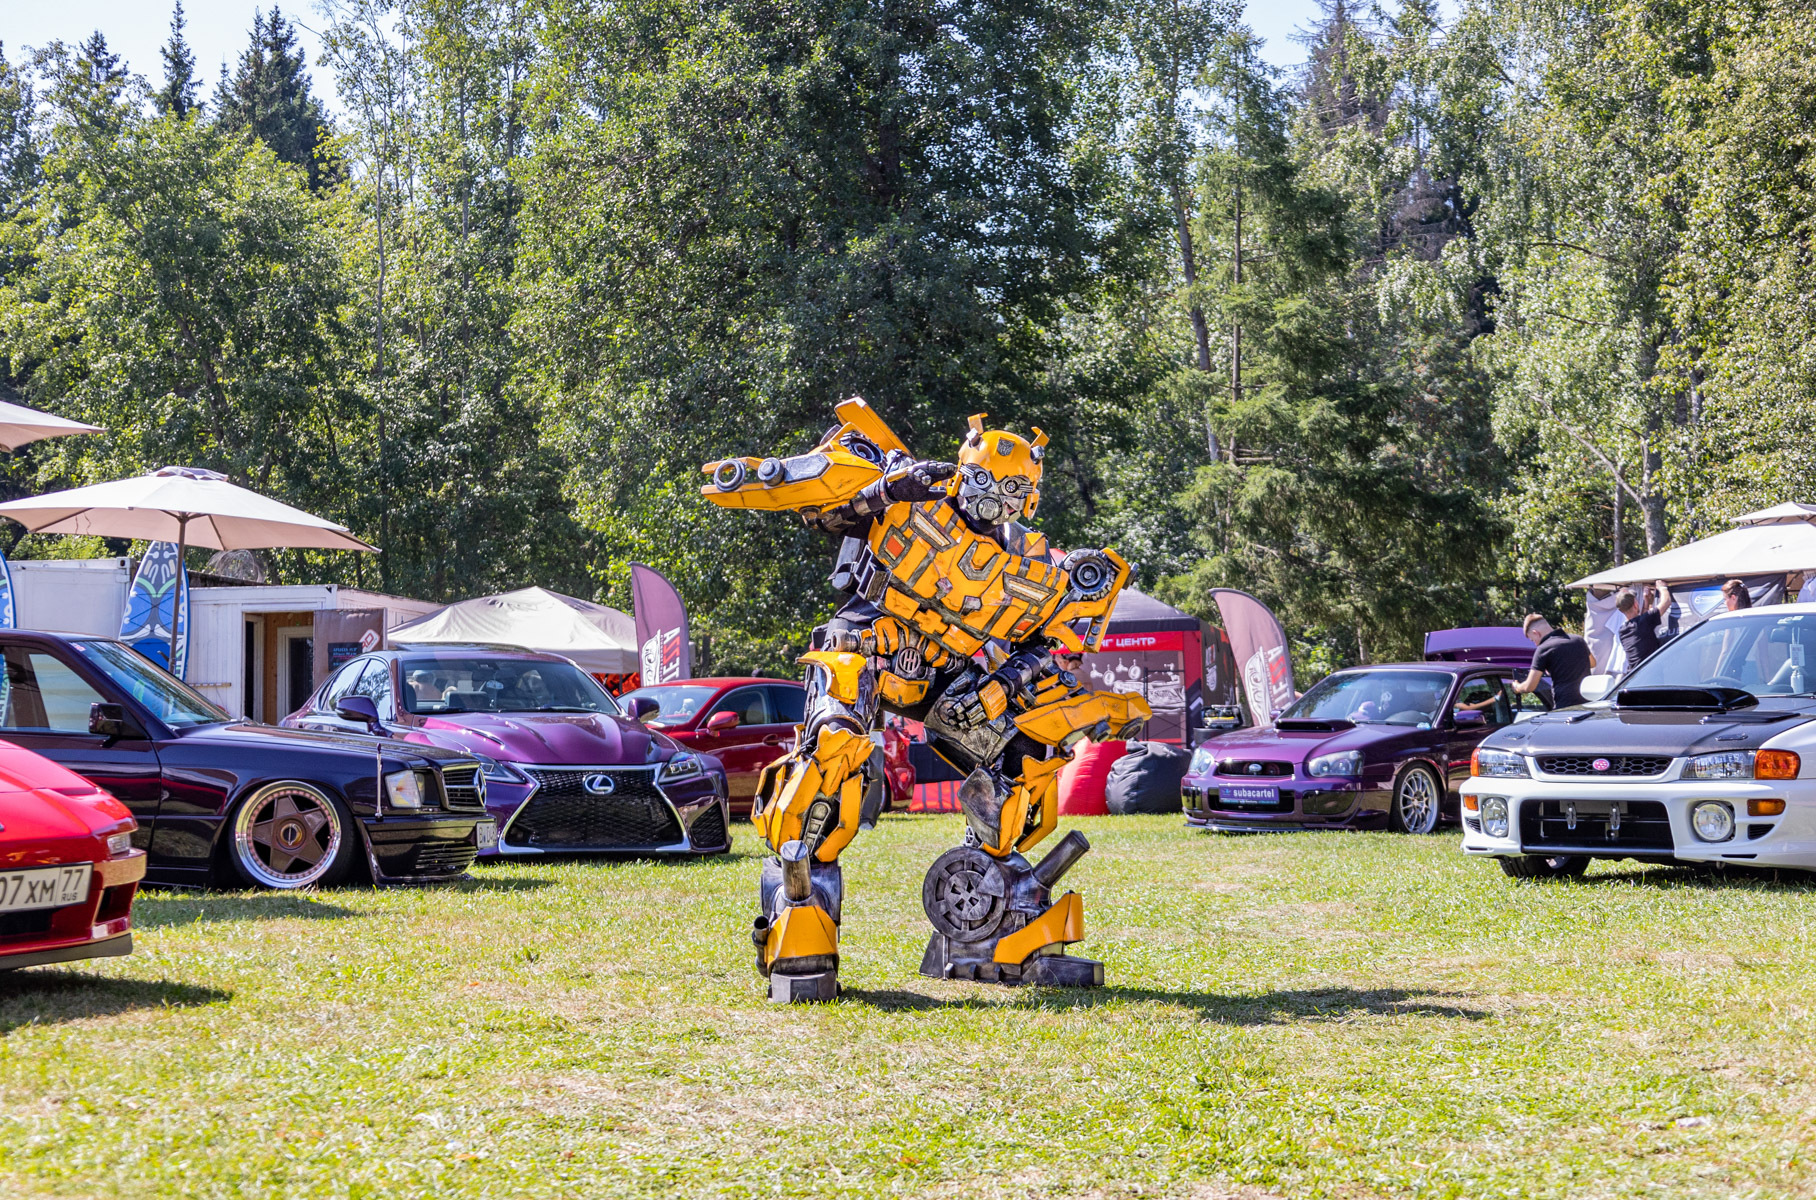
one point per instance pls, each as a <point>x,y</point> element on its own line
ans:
<point>848,459</point>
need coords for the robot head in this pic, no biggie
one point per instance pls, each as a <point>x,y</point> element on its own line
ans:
<point>998,476</point>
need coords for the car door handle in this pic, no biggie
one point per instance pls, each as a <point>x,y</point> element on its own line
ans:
<point>774,739</point>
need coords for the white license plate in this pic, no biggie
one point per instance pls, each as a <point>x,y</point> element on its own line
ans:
<point>1248,793</point>
<point>51,887</point>
<point>485,835</point>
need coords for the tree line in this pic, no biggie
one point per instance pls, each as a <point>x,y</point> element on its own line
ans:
<point>1407,338</point>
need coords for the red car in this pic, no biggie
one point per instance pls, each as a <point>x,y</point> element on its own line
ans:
<point>68,869</point>
<point>747,723</point>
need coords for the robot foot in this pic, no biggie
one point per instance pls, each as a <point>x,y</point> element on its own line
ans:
<point>813,988</point>
<point>946,959</point>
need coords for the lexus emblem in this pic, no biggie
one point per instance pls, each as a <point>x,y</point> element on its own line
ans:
<point>1600,764</point>
<point>600,784</point>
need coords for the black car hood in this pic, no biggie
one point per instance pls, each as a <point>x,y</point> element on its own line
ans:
<point>1651,731</point>
<point>248,735</point>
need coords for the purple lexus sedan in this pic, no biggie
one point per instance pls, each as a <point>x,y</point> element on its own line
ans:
<point>566,771</point>
<point>1380,747</point>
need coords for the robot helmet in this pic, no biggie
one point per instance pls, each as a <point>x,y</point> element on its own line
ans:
<point>998,476</point>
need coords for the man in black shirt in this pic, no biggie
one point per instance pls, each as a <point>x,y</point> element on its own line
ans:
<point>1639,634</point>
<point>1563,656</point>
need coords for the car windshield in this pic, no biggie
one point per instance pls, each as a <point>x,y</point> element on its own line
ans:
<point>676,704</point>
<point>168,698</point>
<point>1374,698</point>
<point>1763,652</point>
<point>457,684</point>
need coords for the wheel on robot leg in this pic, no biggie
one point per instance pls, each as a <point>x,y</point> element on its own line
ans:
<point>995,920</point>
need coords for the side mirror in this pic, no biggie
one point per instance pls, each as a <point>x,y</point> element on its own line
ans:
<point>107,720</point>
<point>719,722</point>
<point>1596,687</point>
<point>1469,716</point>
<point>358,708</point>
<point>641,708</point>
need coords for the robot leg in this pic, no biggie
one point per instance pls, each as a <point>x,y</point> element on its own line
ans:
<point>993,912</point>
<point>809,807</point>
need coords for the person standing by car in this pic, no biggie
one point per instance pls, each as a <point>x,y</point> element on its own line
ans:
<point>1639,633</point>
<point>1734,595</point>
<point>1563,656</point>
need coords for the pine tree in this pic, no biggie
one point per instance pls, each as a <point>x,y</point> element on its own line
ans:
<point>269,98</point>
<point>177,97</point>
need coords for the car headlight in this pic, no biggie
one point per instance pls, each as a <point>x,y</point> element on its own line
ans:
<point>1345,762</point>
<point>500,772</point>
<point>1712,820</point>
<point>403,789</point>
<point>119,843</point>
<point>1202,761</point>
<point>1498,764</point>
<point>682,766</point>
<point>1729,764</point>
<point>1494,816</point>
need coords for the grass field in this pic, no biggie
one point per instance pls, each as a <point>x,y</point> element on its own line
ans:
<point>1309,1016</point>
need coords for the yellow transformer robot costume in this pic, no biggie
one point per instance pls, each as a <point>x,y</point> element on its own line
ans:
<point>952,615</point>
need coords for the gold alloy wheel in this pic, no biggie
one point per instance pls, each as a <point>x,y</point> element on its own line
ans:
<point>287,835</point>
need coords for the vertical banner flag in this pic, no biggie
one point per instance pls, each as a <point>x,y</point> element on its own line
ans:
<point>1259,647</point>
<point>663,650</point>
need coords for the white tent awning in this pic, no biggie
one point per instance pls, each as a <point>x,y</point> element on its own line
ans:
<point>600,639</point>
<point>1788,513</point>
<point>1753,549</point>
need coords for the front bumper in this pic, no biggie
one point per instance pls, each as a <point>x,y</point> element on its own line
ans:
<point>1304,804</point>
<point>422,847</point>
<point>1647,820</point>
<point>97,927</point>
<point>689,816</point>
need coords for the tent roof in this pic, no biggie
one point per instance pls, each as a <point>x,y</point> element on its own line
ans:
<point>1780,514</point>
<point>1755,549</point>
<point>1138,612</point>
<point>598,638</point>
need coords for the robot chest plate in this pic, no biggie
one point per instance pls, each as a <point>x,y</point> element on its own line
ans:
<point>959,587</point>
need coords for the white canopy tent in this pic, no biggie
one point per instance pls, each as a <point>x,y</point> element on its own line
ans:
<point>602,640</point>
<point>1772,541</point>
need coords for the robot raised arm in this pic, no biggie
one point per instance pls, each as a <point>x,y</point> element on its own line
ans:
<point>851,457</point>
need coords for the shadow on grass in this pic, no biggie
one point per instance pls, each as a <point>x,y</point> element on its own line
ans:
<point>39,997</point>
<point>479,883</point>
<point>162,910</point>
<point>1712,876</point>
<point>1269,1008</point>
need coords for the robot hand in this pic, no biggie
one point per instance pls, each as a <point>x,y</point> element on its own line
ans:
<point>919,481</point>
<point>987,703</point>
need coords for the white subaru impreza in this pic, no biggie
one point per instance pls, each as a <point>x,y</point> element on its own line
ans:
<point>1705,753</point>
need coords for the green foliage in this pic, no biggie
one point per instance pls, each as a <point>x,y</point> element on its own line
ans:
<point>177,98</point>
<point>268,97</point>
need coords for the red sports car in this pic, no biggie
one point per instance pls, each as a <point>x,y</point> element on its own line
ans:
<point>747,723</point>
<point>68,868</point>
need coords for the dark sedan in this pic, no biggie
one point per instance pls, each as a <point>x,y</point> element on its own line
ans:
<point>220,801</point>
<point>1369,748</point>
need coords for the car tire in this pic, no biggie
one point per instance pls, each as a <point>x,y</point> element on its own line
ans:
<point>1418,801</point>
<point>1537,866</point>
<point>291,835</point>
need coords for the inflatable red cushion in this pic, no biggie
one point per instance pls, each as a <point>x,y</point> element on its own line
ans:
<point>1081,781</point>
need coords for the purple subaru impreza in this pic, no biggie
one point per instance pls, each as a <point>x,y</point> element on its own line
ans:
<point>566,771</point>
<point>1380,747</point>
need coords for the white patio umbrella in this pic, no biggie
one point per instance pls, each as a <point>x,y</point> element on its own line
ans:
<point>185,505</point>
<point>21,426</point>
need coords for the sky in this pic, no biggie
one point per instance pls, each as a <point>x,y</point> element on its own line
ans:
<point>218,30</point>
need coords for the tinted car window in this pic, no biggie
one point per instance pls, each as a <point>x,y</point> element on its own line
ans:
<point>1488,695</point>
<point>341,684</point>
<point>375,684</point>
<point>750,703</point>
<point>1764,652</point>
<point>44,693</point>
<point>474,683</point>
<point>787,704</point>
<point>168,698</point>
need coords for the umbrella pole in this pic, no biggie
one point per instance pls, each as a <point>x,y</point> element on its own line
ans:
<point>176,598</point>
